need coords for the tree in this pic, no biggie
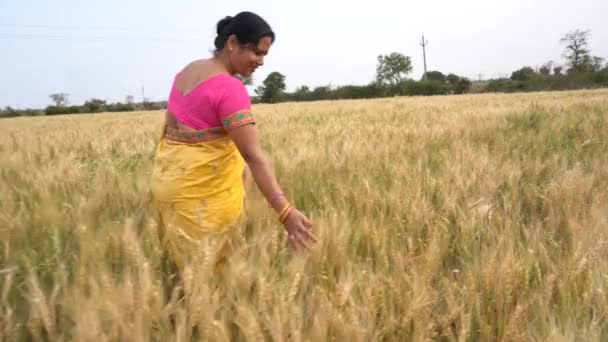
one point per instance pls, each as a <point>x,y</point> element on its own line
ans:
<point>303,89</point>
<point>302,93</point>
<point>246,81</point>
<point>60,99</point>
<point>557,70</point>
<point>7,112</point>
<point>272,87</point>
<point>459,85</point>
<point>436,76</point>
<point>546,68</point>
<point>522,74</point>
<point>321,93</point>
<point>393,68</point>
<point>596,63</point>
<point>94,105</point>
<point>453,79</point>
<point>462,86</point>
<point>576,52</point>
<point>602,76</point>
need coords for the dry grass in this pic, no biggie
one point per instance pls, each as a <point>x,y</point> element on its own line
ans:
<point>468,218</point>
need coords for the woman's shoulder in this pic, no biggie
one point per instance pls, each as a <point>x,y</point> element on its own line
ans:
<point>228,86</point>
<point>232,95</point>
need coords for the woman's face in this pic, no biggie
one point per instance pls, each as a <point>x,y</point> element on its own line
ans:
<point>245,59</point>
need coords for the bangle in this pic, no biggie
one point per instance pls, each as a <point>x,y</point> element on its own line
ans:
<point>287,205</point>
<point>285,212</point>
<point>278,194</point>
<point>283,218</point>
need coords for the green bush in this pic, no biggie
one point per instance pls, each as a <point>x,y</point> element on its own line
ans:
<point>505,86</point>
<point>426,88</point>
<point>601,77</point>
<point>544,82</point>
<point>462,86</point>
<point>57,110</point>
<point>574,80</point>
<point>120,107</point>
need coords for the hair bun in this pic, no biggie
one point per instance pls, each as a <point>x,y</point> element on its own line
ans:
<point>221,25</point>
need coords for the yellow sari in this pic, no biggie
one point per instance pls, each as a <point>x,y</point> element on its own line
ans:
<point>197,188</point>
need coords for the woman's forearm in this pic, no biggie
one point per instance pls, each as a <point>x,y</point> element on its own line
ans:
<point>263,175</point>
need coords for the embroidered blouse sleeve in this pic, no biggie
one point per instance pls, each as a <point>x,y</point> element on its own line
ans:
<point>234,106</point>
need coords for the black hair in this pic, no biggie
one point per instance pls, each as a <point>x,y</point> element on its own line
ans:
<point>248,27</point>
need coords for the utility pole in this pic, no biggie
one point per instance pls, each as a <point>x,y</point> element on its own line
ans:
<point>424,43</point>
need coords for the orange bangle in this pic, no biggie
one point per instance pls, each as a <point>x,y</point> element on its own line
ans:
<point>283,218</point>
<point>287,205</point>
<point>284,213</point>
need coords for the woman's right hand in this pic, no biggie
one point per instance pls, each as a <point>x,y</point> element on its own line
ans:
<point>299,228</point>
<point>299,231</point>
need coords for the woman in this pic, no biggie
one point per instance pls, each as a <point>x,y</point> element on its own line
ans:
<point>210,133</point>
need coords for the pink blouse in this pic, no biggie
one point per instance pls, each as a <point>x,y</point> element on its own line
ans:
<point>219,101</point>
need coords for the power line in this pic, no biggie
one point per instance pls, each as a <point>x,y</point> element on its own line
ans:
<point>64,27</point>
<point>81,27</point>
<point>97,38</point>
<point>91,33</point>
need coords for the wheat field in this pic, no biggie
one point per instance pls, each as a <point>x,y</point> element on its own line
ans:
<point>456,218</point>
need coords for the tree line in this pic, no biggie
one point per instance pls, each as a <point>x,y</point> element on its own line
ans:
<point>61,105</point>
<point>581,70</point>
<point>391,80</point>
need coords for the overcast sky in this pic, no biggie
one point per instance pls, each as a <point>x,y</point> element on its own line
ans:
<point>111,48</point>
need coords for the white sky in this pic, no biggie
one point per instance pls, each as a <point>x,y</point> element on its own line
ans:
<point>108,49</point>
